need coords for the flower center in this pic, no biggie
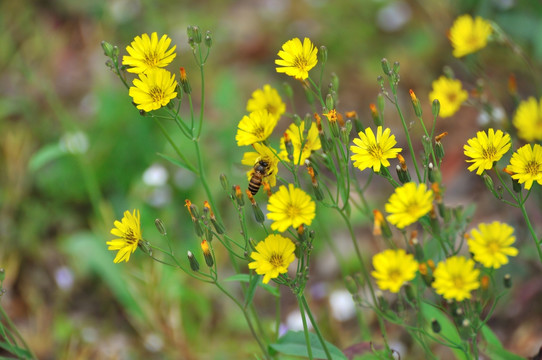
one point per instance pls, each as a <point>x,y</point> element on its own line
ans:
<point>489,152</point>
<point>292,211</point>
<point>276,260</point>
<point>151,59</point>
<point>394,274</point>
<point>532,168</point>
<point>156,94</point>
<point>259,132</point>
<point>493,246</point>
<point>130,237</point>
<point>272,109</point>
<point>376,151</point>
<point>452,97</point>
<point>458,282</point>
<point>300,62</point>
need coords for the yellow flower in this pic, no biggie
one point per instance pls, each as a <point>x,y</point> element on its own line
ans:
<point>153,89</point>
<point>393,268</point>
<point>485,149</point>
<point>373,152</point>
<point>491,244</point>
<point>408,204</point>
<point>526,164</point>
<point>455,278</point>
<point>272,257</point>
<point>468,35</point>
<point>255,127</point>
<point>303,147</point>
<point>528,120</point>
<point>129,232</point>
<point>262,153</point>
<point>290,207</point>
<point>266,99</point>
<point>148,53</point>
<point>449,93</point>
<point>297,59</point>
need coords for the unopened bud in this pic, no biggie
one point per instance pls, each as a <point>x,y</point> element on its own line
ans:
<point>415,103</point>
<point>385,66</point>
<point>194,265</point>
<point>322,54</point>
<point>207,253</point>
<point>289,146</point>
<point>288,91</point>
<point>435,107</point>
<point>374,115</point>
<point>409,291</point>
<point>507,280</point>
<point>107,48</point>
<point>330,103</point>
<point>160,226</point>
<point>185,84</point>
<point>334,85</point>
<point>484,282</point>
<point>380,102</point>
<point>208,39</point>
<point>258,214</point>
<point>301,233</point>
<point>351,285</point>
<point>224,181</point>
<point>239,195</point>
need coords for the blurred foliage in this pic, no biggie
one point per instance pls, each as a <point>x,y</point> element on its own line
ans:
<point>57,207</point>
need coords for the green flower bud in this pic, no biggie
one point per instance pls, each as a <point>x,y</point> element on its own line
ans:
<point>334,83</point>
<point>330,103</point>
<point>287,90</point>
<point>385,66</point>
<point>208,39</point>
<point>107,48</point>
<point>258,214</point>
<point>224,181</point>
<point>160,226</point>
<point>218,227</point>
<point>351,285</point>
<point>322,54</point>
<point>194,265</point>
<point>435,108</point>
<point>507,280</point>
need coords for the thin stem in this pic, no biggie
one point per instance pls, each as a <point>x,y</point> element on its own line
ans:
<point>315,326</point>
<point>305,329</point>
<point>405,128</point>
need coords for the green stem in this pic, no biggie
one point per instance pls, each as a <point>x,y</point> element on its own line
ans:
<point>177,150</point>
<point>405,128</point>
<point>315,326</point>
<point>531,230</point>
<point>305,328</point>
<point>13,329</point>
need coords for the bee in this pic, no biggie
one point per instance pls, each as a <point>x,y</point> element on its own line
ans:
<point>261,169</point>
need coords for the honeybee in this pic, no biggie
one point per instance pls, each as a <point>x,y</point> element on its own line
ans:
<point>261,169</point>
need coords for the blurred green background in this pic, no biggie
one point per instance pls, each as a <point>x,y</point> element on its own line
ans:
<point>75,154</point>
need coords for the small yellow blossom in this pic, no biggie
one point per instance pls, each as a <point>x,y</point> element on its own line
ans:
<point>485,149</point>
<point>526,164</point>
<point>408,204</point>
<point>369,151</point>
<point>491,244</point>
<point>469,35</point>
<point>455,278</point>
<point>393,268</point>
<point>450,94</point>
<point>303,146</point>
<point>290,207</point>
<point>266,99</point>
<point>148,53</point>
<point>528,120</point>
<point>296,59</point>
<point>128,231</point>
<point>254,128</point>
<point>153,90</point>
<point>272,257</point>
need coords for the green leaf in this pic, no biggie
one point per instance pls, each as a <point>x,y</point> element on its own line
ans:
<point>175,161</point>
<point>20,353</point>
<point>45,155</point>
<point>246,278</point>
<point>490,337</point>
<point>293,343</point>
<point>495,350</point>
<point>448,329</point>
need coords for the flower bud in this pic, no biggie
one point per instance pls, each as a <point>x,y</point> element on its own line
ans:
<point>322,55</point>
<point>507,280</point>
<point>107,48</point>
<point>385,66</point>
<point>484,282</point>
<point>396,66</point>
<point>415,103</point>
<point>218,227</point>
<point>207,253</point>
<point>224,181</point>
<point>330,102</point>
<point>409,291</point>
<point>287,88</point>
<point>194,265</point>
<point>185,84</point>
<point>297,120</point>
<point>239,195</point>
<point>308,94</point>
<point>289,146</point>
<point>334,85</point>
<point>351,285</point>
<point>208,39</point>
<point>160,226</point>
<point>302,236</point>
<point>380,103</point>
<point>435,107</point>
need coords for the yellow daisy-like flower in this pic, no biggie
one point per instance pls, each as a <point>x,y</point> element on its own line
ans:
<point>262,153</point>
<point>148,53</point>
<point>272,257</point>
<point>408,204</point>
<point>393,268</point>
<point>290,207</point>
<point>255,127</point>
<point>297,59</point>
<point>153,89</point>
<point>528,120</point>
<point>485,149</point>
<point>303,147</point>
<point>455,278</point>
<point>369,151</point>
<point>526,164</point>
<point>266,99</point>
<point>128,231</point>
<point>491,244</point>
<point>469,35</point>
<point>450,94</point>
